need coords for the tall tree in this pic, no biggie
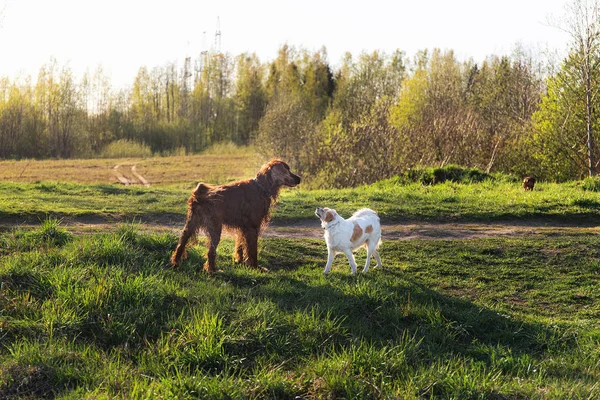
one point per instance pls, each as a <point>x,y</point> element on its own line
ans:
<point>582,23</point>
<point>250,97</point>
<point>318,83</point>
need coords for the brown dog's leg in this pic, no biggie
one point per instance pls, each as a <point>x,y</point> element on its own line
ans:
<point>214,237</point>
<point>251,247</point>
<point>239,253</point>
<point>191,228</point>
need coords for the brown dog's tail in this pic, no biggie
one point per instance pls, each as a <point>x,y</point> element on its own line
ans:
<point>201,191</point>
<point>192,222</point>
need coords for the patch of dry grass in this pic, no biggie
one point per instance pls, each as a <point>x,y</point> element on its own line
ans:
<point>217,165</point>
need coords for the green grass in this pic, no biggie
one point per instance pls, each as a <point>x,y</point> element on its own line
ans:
<point>101,316</point>
<point>485,201</point>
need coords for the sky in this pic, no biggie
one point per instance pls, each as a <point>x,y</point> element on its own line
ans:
<point>124,35</point>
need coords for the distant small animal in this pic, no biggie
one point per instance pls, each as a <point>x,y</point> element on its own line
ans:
<point>528,183</point>
<point>243,208</point>
<point>362,229</point>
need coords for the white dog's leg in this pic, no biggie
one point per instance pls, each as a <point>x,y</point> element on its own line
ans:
<point>376,254</point>
<point>370,251</point>
<point>330,256</point>
<point>350,256</point>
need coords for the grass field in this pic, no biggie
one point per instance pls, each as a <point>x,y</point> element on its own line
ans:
<point>101,316</point>
<point>487,201</point>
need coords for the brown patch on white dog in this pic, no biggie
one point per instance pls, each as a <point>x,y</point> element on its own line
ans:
<point>328,217</point>
<point>356,233</point>
<point>369,229</point>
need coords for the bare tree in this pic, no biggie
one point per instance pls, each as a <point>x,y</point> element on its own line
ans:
<point>582,24</point>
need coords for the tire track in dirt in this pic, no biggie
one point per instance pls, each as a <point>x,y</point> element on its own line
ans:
<point>140,177</point>
<point>120,177</point>
<point>126,181</point>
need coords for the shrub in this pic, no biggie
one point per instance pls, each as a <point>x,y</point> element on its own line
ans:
<point>591,184</point>
<point>452,173</point>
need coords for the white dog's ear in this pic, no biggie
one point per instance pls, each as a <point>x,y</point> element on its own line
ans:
<point>330,215</point>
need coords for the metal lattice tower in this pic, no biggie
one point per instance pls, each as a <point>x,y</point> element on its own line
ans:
<point>218,36</point>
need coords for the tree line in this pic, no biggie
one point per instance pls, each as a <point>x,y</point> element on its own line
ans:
<point>374,116</point>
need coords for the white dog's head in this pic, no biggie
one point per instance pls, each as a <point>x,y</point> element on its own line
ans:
<point>326,215</point>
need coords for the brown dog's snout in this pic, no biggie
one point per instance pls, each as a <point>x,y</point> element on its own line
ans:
<point>295,179</point>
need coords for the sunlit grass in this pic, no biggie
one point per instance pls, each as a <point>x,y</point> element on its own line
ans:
<point>487,201</point>
<point>103,316</point>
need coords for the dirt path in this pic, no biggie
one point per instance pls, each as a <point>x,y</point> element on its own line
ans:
<point>311,229</point>
<point>436,230</point>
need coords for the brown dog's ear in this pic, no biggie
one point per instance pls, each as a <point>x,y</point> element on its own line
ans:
<point>278,173</point>
<point>329,216</point>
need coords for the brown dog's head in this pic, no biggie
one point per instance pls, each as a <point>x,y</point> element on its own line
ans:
<point>278,174</point>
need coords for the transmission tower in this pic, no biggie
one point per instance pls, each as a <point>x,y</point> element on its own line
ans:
<point>187,82</point>
<point>218,37</point>
<point>187,69</point>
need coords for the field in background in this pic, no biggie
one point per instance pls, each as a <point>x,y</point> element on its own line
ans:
<point>488,201</point>
<point>219,164</point>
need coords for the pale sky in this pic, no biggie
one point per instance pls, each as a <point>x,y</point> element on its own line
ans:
<point>123,35</point>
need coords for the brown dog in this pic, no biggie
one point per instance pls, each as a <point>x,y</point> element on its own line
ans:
<point>241,207</point>
<point>528,183</point>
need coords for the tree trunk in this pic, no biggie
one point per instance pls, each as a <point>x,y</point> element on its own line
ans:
<point>590,139</point>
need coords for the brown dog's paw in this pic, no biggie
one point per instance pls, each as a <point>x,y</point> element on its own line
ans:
<point>174,262</point>
<point>210,269</point>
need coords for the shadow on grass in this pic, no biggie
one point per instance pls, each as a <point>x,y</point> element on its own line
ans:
<point>383,305</point>
<point>378,308</point>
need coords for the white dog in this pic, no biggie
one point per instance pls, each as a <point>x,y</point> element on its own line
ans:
<point>345,235</point>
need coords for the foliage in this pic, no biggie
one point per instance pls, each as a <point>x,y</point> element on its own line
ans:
<point>591,184</point>
<point>560,126</point>
<point>124,148</point>
<point>450,173</point>
<point>376,116</point>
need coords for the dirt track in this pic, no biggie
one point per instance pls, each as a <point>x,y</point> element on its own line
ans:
<point>127,181</point>
<point>432,231</point>
<point>310,229</point>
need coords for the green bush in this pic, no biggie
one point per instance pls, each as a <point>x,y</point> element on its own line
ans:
<point>591,184</point>
<point>433,176</point>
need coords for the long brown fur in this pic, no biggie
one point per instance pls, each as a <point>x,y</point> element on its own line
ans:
<point>243,208</point>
